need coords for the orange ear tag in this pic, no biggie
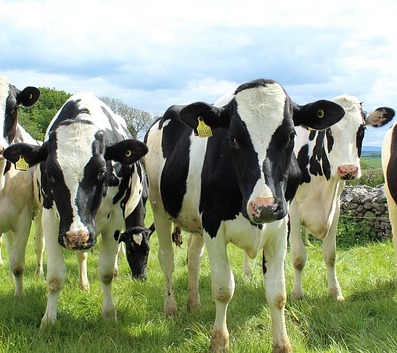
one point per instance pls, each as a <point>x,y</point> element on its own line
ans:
<point>203,130</point>
<point>21,164</point>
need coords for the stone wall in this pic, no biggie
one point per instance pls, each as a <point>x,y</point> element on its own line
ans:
<point>367,205</point>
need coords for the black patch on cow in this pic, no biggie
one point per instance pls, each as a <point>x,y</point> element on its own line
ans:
<point>69,111</point>
<point>264,270</point>
<point>303,161</point>
<point>7,167</point>
<point>284,169</point>
<point>113,135</point>
<point>175,146</point>
<point>123,174</point>
<point>391,170</point>
<point>221,198</point>
<point>11,114</point>
<point>359,139</point>
<point>253,84</point>
<point>54,188</point>
<point>90,190</point>
<point>319,163</point>
<point>330,139</point>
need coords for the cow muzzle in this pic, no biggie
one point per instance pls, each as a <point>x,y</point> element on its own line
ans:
<point>78,240</point>
<point>263,210</point>
<point>347,171</point>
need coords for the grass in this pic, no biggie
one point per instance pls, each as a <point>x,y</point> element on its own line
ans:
<point>371,161</point>
<point>365,322</point>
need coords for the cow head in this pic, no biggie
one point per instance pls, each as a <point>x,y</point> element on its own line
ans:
<point>260,120</point>
<point>77,165</point>
<point>11,99</point>
<point>336,151</point>
<point>137,248</point>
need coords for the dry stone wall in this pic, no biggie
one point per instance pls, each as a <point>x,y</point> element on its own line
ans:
<point>367,206</point>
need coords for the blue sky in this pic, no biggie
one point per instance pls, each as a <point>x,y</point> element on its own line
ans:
<point>151,54</point>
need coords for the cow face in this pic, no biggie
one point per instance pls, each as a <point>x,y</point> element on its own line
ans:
<point>11,99</point>
<point>137,248</point>
<point>336,151</point>
<point>78,168</point>
<point>259,136</point>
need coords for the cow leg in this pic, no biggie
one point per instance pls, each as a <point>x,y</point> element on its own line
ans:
<point>247,268</point>
<point>39,246</point>
<point>298,253</point>
<point>81,257</point>
<point>56,269</point>
<point>18,250</point>
<point>222,285</point>
<point>329,255</point>
<point>274,253</point>
<point>166,260</point>
<point>393,220</point>
<point>195,255</point>
<point>106,261</point>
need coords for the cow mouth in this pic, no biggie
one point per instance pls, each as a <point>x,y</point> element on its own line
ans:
<point>265,214</point>
<point>77,241</point>
<point>348,177</point>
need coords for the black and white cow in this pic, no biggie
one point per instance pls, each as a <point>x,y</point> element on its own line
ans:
<point>231,187</point>
<point>136,238</point>
<point>17,205</point>
<point>89,185</point>
<point>389,167</point>
<point>327,159</point>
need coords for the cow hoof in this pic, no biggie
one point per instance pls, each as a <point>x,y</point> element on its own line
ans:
<point>170,307</point>
<point>110,315</point>
<point>297,294</point>
<point>336,294</point>
<point>220,342</point>
<point>286,348</point>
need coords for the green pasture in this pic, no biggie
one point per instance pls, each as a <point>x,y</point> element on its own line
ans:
<point>365,322</point>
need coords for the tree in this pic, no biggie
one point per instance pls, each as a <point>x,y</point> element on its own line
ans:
<point>138,121</point>
<point>35,119</point>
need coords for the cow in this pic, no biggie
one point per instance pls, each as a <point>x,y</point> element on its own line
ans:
<point>232,187</point>
<point>389,168</point>
<point>89,185</point>
<point>17,207</point>
<point>327,159</point>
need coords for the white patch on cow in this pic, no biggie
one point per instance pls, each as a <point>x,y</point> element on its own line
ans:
<point>189,215</point>
<point>344,132</point>
<point>262,110</point>
<point>138,238</point>
<point>74,151</point>
<point>136,191</point>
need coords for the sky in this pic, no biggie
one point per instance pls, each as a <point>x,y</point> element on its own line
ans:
<point>151,54</point>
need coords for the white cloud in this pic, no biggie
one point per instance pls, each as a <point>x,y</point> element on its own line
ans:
<point>151,54</point>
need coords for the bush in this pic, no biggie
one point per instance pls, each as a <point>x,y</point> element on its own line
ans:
<point>370,177</point>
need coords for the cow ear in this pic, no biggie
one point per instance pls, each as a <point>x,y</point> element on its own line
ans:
<point>28,96</point>
<point>379,117</point>
<point>126,152</point>
<point>206,115</point>
<point>32,154</point>
<point>318,115</point>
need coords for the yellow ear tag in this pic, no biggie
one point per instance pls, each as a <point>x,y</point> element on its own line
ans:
<point>21,164</point>
<point>203,130</point>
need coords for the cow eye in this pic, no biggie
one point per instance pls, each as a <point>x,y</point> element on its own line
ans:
<point>102,174</point>
<point>233,143</point>
<point>291,139</point>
